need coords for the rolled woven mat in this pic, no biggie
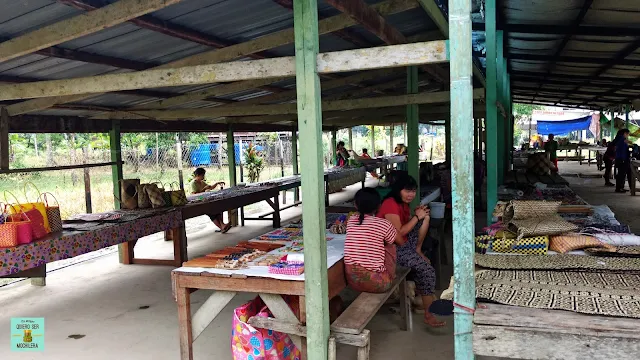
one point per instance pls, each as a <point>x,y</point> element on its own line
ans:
<point>526,209</point>
<point>556,262</point>
<point>537,226</point>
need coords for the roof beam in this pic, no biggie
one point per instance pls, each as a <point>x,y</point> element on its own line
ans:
<point>340,61</point>
<point>78,26</point>
<point>229,53</point>
<point>286,109</point>
<point>575,59</point>
<point>377,25</point>
<point>436,15</point>
<point>562,30</point>
<point>574,26</point>
<point>567,77</point>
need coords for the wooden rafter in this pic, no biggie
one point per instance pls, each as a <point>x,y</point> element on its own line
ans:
<point>273,40</point>
<point>78,26</point>
<point>287,109</point>
<point>340,61</point>
<point>371,20</point>
<point>576,59</point>
<point>562,29</point>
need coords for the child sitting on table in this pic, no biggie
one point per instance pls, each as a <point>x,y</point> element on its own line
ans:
<point>369,250</point>
<point>198,185</point>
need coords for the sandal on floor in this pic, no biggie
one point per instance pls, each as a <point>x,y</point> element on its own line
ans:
<point>226,229</point>
<point>433,322</point>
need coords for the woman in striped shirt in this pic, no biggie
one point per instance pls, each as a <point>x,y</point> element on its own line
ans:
<point>369,250</point>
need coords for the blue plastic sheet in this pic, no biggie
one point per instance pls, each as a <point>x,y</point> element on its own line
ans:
<point>564,126</point>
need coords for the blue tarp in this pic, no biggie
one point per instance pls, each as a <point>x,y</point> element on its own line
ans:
<point>564,126</point>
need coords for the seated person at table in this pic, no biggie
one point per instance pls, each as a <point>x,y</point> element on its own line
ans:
<point>369,250</point>
<point>342,155</point>
<point>198,185</point>
<point>365,155</point>
<point>412,230</point>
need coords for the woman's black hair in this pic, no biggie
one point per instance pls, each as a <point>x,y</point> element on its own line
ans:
<point>340,143</point>
<point>402,182</point>
<point>367,202</point>
<point>199,172</point>
<point>620,136</point>
<point>365,151</point>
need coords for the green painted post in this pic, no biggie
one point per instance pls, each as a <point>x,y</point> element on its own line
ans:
<point>334,145</point>
<point>313,208</point>
<point>601,127</point>
<point>116,156</point>
<point>462,175</point>
<point>447,136</point>
<point>294,161</point>
<point>626,116</point>
<point>231,157</point>
<point>372,150</point>
<point>613,125</point>
<point>502,123</point>
<point>350,138</point>
<point>391,129</point>
<point>491,120</point>
<point>412,131</point>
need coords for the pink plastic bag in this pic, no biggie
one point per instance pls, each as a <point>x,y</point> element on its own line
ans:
<point>249,343</point>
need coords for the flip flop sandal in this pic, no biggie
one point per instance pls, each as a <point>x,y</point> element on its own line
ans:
<point>226,229</point>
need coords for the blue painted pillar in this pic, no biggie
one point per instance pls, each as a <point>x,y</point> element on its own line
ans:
<point>491,119</point>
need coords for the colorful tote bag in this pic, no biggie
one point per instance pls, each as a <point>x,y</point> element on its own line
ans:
<point>53,212</point>
<point>249,343</point>
<point>26,206</point>
<point>23,227</point>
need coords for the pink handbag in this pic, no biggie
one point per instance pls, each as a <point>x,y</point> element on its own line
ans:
<point>249,343</point>
<point>23,226</point>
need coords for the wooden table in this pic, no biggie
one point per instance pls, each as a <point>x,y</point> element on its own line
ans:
<point>226,288</point>
<point>215,206</point>
<point>525,333</point>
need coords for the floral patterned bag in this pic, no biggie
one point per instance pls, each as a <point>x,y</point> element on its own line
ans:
<point>249,343</point>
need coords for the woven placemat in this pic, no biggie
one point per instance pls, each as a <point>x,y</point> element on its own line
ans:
<point>556,262</point>
<point>601,293</point>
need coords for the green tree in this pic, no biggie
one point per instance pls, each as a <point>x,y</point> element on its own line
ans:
<point>522,114</point>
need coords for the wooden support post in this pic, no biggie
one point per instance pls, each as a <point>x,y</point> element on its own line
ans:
<point>313,215</point>
<point>613,125</point>
<point>412,132</point>
<point>491,119</point>
<point>4,139</point>
<point>125,250</point>
<point>87,191</point>
<point>626,116</point>
<point>179,159</point>
<point>462,174</point>
<point>447,130</point>
<point>294,161</point>
<point>391,129</point>
<point>601,127</point>
<point>334,145</point>
<point>502,135</point>
<point>351,138</point>
<point>373,140</point>
<point>231,161</point>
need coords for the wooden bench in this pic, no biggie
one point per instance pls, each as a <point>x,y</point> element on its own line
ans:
<point>349,327</point>
<point>356,317</point>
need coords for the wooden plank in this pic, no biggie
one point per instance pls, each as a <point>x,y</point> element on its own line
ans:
<point>339,61</point>
<point>55,168</point>
<point>266,42</point>
<point>281,310</point>
<point>296,328</point>
<point>209,311</point>
<point>260,285</point>
<point>331,105</point>
<point>309,104</point>
<point>354,319</point>
<point>77,26</point>
<point>413,131</point>
<point>4,139</point>
<point>523,343</point>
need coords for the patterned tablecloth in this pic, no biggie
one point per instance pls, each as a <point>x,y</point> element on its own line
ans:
<point>74,243</point>
<point>339,178</point>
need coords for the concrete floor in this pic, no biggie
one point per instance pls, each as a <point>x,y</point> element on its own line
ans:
<point>126,312</point>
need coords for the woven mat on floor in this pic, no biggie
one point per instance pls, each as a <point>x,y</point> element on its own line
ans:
<point>610,294</point>
<point>556,262</point>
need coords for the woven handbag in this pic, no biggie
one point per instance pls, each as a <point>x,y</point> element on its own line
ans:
<point>143,198</point>
<point>23,226</point>
<point>525,209</point>
<point>155,196</point>
<point>26,206</point>
<point>552,225</point>
<point>570,242</point>
<point>128,193</point>
<point>178,197</point>
<point>53,212</point>
<point>537,245</point>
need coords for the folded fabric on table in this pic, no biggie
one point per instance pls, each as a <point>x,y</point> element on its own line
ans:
<point>599,227</point>
<point>618,239</point>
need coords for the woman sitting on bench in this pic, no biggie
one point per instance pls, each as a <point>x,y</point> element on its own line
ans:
<point>369,250</point>
<point>412,231</point>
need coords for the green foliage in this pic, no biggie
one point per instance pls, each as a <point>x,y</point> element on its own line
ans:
<point>254,162</point>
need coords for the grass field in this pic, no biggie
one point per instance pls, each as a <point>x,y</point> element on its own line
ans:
<point>68,186</point>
